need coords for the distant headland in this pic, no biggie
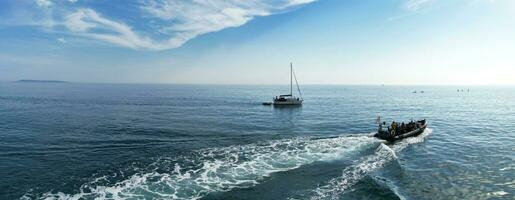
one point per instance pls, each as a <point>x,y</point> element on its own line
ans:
<point>40,81</point>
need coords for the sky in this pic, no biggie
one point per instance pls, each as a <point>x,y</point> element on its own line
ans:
<point>398,42</point>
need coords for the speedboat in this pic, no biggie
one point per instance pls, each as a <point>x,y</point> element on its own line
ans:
<point>399,132</point>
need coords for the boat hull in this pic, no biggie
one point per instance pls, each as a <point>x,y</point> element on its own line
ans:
<point>286,103</point>
<point>384,135</point>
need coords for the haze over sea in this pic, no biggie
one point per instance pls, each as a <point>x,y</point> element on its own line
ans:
<point>87,141</point>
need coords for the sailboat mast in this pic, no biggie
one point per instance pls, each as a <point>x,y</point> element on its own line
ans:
<point>291,79</point>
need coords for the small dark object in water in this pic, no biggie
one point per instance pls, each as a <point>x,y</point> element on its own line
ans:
<point>399,131</point>
<point>267,103</point>
<point>40,81</point>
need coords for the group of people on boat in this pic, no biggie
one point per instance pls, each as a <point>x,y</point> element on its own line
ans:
<point>399,128</point>
<point>402,128</point>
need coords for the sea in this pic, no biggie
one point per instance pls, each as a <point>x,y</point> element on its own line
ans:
<point>152,141</point>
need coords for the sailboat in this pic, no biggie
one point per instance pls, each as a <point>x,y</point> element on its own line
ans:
<point>289,99</point>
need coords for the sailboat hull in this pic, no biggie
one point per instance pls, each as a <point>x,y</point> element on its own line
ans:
<point>287,102</point>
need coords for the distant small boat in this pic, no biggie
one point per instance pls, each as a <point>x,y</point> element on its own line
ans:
<point>396,133</point>
<point>288,99</point>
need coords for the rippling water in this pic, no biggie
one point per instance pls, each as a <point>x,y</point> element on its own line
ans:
<point>87,141</point>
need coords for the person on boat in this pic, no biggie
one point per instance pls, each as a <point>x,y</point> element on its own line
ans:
<point>394,129</point>
<point>380,125</point>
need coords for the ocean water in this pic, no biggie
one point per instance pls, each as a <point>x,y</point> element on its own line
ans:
<point>129,141</point>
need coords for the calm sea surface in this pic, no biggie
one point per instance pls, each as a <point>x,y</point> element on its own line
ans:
<point>115,141</point>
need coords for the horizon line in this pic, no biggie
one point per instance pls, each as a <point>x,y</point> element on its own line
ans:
<point>258,84</point>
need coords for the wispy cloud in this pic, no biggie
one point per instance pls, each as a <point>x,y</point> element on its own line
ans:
<point>88,23</point>
<point>411,8</point>
<point>48,3</point>
<point>61,40</point>
<point>44,3</point>
<point>185,20</point>
<point>176,21</point>
<point>414,5</point>
<point>173,22</point>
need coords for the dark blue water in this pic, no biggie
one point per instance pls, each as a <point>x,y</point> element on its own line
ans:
<point>87,141</point>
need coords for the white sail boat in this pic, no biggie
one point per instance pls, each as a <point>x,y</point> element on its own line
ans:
<point>290,99</point>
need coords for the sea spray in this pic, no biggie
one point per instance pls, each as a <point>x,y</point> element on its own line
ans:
<point>194,175</point>
<point>353,174</point>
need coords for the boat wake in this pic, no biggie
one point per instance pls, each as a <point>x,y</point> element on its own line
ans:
<point>199,173</point>
<point>353,174</point>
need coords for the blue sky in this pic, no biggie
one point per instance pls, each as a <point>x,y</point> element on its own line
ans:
<point>252,41</point>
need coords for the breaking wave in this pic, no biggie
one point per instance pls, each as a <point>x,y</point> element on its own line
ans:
<point>199,173</point>
<point>353,174</point>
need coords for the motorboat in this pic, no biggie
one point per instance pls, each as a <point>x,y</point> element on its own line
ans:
<point>399,131</point>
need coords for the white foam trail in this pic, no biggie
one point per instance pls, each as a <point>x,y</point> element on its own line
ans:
<point>387,148</point>
<point>222,169</point>
<point>351,175</point>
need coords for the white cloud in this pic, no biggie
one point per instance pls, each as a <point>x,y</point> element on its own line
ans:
<point>62,40</point>
<point>48,3</point>
<point>174,22</point>
<point>44,3</point>
<point>414,5</point>
<point>179,21</point>
<point>88,23</point>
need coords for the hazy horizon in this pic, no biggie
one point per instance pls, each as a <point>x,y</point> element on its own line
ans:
<point>399,42</point>
<point>261,84</point>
